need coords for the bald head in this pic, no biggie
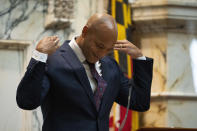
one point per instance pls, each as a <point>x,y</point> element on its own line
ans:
<point>103,23</point>
<point>98,37</point>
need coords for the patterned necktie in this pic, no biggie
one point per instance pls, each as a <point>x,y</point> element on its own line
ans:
<point>101,85</point>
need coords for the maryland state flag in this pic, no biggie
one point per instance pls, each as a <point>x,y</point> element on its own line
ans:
<point>120,10</point>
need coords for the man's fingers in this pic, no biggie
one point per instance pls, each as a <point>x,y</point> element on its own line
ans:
<point>124,42</point>
<point>56,41</point>
<point>119,45</point>
<point>53,38</point>
<point>121,42</point>
<point>122,45</point>
<point>121,49</point>
<point>48,44</point>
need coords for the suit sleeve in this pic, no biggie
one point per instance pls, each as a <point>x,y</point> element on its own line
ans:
<point>33,87</point>
<point>140,84</point>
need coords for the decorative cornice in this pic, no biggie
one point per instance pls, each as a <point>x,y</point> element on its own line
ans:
<point>14,44</point>
<point>165,15</point>
<point>175,96</point>
<point>153,3</point>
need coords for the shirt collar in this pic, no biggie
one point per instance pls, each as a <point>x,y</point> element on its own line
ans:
<point>75,47</point>
<point>73,44</point>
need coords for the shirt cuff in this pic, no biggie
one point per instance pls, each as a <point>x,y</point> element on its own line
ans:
<point>141,58</point>
<point>39,56</point>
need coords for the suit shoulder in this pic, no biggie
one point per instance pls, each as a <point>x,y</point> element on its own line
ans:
<point>56,54</point>
<point>108,59</point>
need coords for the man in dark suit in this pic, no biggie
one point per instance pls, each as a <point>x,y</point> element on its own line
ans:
<point>76,84</point>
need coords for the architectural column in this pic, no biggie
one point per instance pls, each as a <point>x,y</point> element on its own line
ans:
<point>164,30</point>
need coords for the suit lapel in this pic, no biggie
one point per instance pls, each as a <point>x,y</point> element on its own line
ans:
<point>78,68</point>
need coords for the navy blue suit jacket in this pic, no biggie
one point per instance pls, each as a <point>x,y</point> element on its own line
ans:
<point>62,89</point>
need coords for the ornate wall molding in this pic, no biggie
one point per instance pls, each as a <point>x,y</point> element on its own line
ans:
<point>175,96</point>
<point>14,44</point>
<point>23,48</point>
<point>165,15</point>
<point>60,14</point>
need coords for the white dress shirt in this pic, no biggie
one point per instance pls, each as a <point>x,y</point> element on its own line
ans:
<point>82,59</point>
<point>77,50</point>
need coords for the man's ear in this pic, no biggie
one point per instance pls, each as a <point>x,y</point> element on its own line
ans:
<point>84,31</point>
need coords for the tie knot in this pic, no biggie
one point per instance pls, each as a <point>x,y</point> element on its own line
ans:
<point>91,65</point>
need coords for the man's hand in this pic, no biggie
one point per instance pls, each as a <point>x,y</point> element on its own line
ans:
<point>128,47</point>
<point>48,45</point>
